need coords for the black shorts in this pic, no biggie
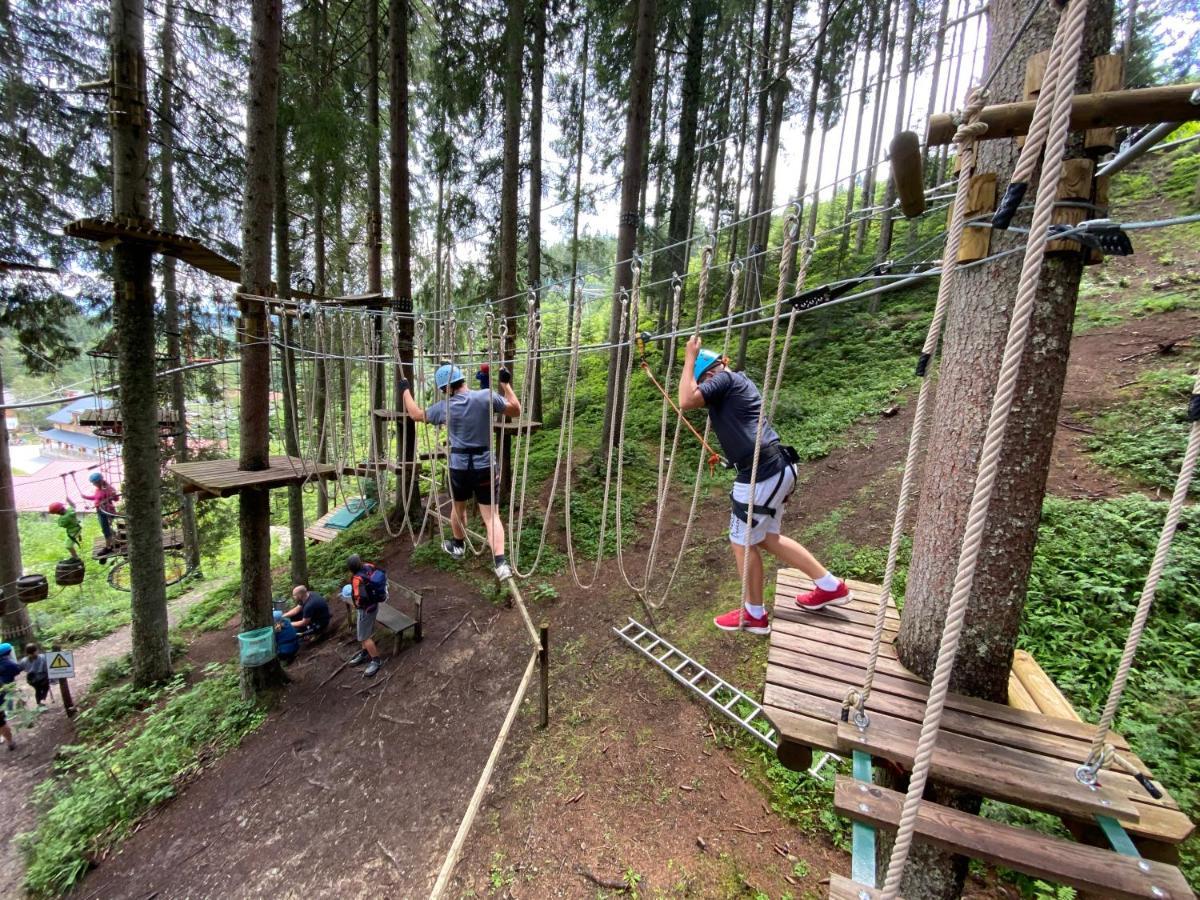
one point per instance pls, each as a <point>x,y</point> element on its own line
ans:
<point>466,484</point>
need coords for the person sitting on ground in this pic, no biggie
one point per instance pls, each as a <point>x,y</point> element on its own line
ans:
<point>287,642</point>
<point>69,523</point>
<point>9,670</point>
<point>37,672</point>
<point>734,404</point>
<point>310,616</point>
<point>368,588</point>
<point>468,417</point>
<point>105,498</point>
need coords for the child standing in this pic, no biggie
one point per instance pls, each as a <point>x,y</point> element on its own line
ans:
<point>105,498</point>
<point>37,672</point>
<point>69,523</point>
<point>9,670</point>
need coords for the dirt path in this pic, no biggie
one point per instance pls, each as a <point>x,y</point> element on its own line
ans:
<point>30,763</point>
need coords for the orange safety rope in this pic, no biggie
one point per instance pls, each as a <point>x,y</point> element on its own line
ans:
<point>714,456</point>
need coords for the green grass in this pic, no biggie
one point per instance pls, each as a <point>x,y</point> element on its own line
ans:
<point>100,790</point>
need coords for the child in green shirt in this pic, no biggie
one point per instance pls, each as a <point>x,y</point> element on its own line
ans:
<point>69,523</point>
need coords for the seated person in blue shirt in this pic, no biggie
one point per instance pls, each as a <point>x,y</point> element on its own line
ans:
<point>310,616</point>
<point>287,642</point>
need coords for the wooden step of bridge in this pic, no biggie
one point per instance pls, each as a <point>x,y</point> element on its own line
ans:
<point>1094,870</point>
<point>1009,754</point>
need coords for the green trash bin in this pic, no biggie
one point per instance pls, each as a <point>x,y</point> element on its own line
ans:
<point>257,647</point>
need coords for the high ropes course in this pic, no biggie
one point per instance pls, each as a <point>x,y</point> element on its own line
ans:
<point>833,680</point>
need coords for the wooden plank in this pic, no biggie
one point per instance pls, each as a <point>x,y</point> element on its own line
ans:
<point>981,200</point>
<point>1018,697</point>
<point>993,771</point>
<point>805,583</point>
<point>223,478</point>
<point>1041,689</point>
<point>1075,186</point>
<point>843,888</point>
<point>1090,869</point>
<point>1108,74</point>
<point>392,619</point>
<point>849,614</point>
<point>1035,74</point>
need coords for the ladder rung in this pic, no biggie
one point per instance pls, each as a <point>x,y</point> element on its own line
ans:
<point>754,714</point>
<point>716,687</point>
<point>692,681</point>
<point>732,700</point>
<point>683,664</point>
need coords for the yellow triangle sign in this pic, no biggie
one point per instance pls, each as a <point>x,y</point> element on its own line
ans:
<point>59,662</point>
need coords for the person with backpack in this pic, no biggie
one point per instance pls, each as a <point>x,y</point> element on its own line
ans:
<point>368,588</point>
<point>734,407</point>
<point>37,672</point>
<point>467,416</point>
<point>9,670</point>
<point>69,523</point>
<point>105,498</point>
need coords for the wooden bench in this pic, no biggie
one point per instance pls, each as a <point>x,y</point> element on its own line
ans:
<point>393,619</point>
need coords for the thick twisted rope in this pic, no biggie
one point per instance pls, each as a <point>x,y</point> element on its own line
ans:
<point>1161,553</point>
<point>965,139</point>
<point>1018,334</point>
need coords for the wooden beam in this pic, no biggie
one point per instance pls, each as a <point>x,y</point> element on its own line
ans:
<point>1097,871</point>
<point>1035,73</point>
<point>1108,74</point>
<point>981,199</point>
<point>1147,106</point>
<point>907,174</point>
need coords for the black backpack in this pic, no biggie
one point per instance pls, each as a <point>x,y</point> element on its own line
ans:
<point>372,582</point>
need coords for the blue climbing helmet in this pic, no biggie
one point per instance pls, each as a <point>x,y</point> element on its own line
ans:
<point>705,360</point>
<point>277,615</point>
<point>95,478</point>
<point>5,649</point>
<point>447,375</point>
<point>347,592</point>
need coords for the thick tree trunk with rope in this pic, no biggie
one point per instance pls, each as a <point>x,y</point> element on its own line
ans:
<point>514,32</point>
<point>637,128</point>
<point>537,78</point>
<point>408,491</point>
<point>133,315</point>
<point>375,225</point>
<point>15,627</point>
<point>171,319</point>
<point>254,505</point>
<point>975,335</point>
<point>298,552</point>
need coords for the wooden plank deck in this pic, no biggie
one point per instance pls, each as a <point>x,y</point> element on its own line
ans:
<point>223,478</point>
<point>172,539</point>
<point>1006,753</point>
<point>110,417</point>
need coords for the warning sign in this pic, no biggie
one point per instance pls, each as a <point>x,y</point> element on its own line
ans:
<point>62,664</point>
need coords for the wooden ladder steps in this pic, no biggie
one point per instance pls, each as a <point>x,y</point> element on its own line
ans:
<point>1089,869</point>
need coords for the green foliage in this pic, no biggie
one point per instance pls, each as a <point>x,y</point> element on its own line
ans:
<point>215,610</point>
<point>327,562</point>
<point>101,789</point>
<point>1145,437</point>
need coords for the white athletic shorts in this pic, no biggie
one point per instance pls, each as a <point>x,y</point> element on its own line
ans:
<point>772,493</point>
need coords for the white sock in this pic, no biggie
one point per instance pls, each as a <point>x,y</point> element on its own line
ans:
<point>827,582</point>
<point>757,612</point>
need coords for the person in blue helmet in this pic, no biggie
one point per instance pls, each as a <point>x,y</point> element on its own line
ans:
<point>467,415</point>
<point>287,641</point>
<point>9,670</point>
<point>105,498</point>
<point>734,405</point>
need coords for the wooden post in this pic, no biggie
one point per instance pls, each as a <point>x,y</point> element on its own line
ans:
<point>1076,185</point>
<point>1100,200</point>
<point>907,174</point>
<point>981,198</point>
<point>1035,74</point>
<point>68,703</point>
<point>544,666</point>
<point>1108,74</point>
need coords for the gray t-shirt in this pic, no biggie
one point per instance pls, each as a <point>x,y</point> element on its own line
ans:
<point>733,404</point>
<point>470,425</point>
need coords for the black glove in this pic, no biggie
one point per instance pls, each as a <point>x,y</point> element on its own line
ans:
<point>505,376</point>
<point>404,386</point>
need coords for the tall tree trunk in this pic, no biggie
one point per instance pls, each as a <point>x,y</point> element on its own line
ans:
<point>810,117</point>
<point>976,329</point>
<point>719,177</point>
<point>321,288</point>
<point>660,292</point>
<point>886,225</point>
<point>742,140</point>
<point>514,35</point>
<point>254,505</point>
<point>868,38</point>
<point>577,201</point>
<point>754,230</point>
<point>15,627</point>
<point>375,228</point>
<point>939,41</point>
<point>291,432</point>
<point>637,127</point>
<point>882,82</point>
<point>171,319</point>
<point>133,313</point>
<point>406,432</point>
<point>683,172</point>
<point>537,76</point>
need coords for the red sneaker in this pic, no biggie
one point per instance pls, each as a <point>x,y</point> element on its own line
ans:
<point>818,598</point>
<point>741,620</point>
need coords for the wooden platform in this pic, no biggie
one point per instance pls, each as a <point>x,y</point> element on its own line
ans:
<point>172,539</point>
<point>188,249</point>
<point>323,530</point>
<point>389,414</point>
<point>110,417</point>
<point>1006,753</point>
<point>223,478</point>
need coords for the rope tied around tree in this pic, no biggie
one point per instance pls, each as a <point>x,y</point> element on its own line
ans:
<point>969,131</point>
<point>1061,88</point>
